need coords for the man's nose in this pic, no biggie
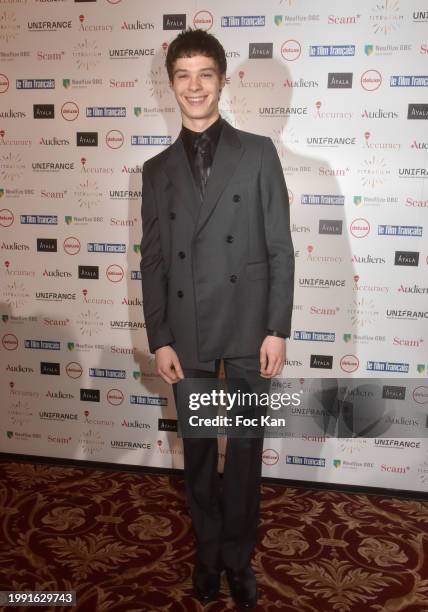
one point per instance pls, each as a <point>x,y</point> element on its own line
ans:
<point>195,83</point>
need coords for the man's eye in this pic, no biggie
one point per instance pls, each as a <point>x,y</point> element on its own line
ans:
<point>207,75</point>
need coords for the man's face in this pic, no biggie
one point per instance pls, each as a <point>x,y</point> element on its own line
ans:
<point>196,83</point>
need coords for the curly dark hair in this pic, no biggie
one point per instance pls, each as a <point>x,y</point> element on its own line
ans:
<point>195,42</point>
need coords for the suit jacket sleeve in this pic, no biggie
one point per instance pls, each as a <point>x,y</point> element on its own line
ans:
<point>276,212</point>
<point>153,272</point>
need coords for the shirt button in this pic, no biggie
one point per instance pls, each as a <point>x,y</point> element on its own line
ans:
<point>172,215</point>
<point>229,238</point>
<point>236,197</point>
<point>180,294</point>
<point>181,254</point>
<point>233,278</point>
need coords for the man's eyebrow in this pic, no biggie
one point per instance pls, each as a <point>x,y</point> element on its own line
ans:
<point>201,70</point>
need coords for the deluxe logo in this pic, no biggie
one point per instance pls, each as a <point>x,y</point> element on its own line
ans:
<point>380,113</point>
<point>371,80</point>
<point>71,245</point>
<point>359,228</point>
<point>115,397</point>
<point>314,336</point>
<point>420,394</point>
<point>417,111</point>
<point>148,400</point>
<point>88,272</point>
<point>387,366</point>
<point>56,273</point>
<point>35,83</point>
<point>331,50</point>
<point>69,111</point>
<point>97,112</point>
<point>260,50</point>
<point>305,461</point>
<point>47,245</point>
<point>270,456</point>
<point>320,199</point>
<point>330,226</point>
<point>9,342</point>
<point>89,395</point>
<point>48,26</point>
<point>49,368</point>
<point>291,50</point>
<point>203,20</point>
<point>115,273</point>
<point>74,370</point>
<point>6,217</point>
<point>393,392</point>
<point>349,363</point>
<point>400,230</point>
<point>4,83</point>
<point>114,139</point>
<point>339,80</point>
<point>86,139</point>
<point>174,21</point>
<point>243,21</point>
<point>406,258</point>
<point>45,345</point>
<point>324,362</point>
<point>158,141</point>
<point>44,111</point>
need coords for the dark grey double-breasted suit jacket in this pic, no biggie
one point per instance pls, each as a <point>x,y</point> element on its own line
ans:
<point>216,275</point>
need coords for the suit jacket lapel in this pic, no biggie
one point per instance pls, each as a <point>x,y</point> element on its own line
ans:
<point>228,153</point>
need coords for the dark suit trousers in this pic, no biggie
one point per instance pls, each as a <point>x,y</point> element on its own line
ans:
<point>225,510</point>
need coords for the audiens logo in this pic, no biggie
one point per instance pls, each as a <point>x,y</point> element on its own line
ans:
<point>47,245</point>
<point>321,361</point>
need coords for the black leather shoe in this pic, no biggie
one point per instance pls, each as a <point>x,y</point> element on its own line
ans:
<point>206,582</point>
<point>243,587</point>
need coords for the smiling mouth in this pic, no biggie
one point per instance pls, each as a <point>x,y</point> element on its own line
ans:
<point>196,100</point>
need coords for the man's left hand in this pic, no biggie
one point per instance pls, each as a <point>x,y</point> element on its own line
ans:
<point>272,356</point>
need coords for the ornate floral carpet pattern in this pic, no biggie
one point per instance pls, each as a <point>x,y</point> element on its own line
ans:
<point>123,542</point>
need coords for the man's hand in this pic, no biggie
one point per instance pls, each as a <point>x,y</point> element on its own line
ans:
<point>272,356</point>
<point>168,365</point>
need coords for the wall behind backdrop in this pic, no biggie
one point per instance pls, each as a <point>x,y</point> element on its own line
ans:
<point>340,87</point>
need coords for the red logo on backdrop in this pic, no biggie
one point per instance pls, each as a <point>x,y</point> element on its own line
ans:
<point>359,228</point>
<point>291,50</point>
<point>270,456</point>
<point>115,397</point>
<point>70,111</point>
<point>203,20</point>
<point>10,342</point>
<point>71,245</point>
<point>74,369</point>
<point>115,273</point>
<point>115,139</point>
<point>349,363</point>
<point>6,217</point>
<point>356,278</point>
<point>290,196</point>
<point>420,394</point>
<point>371,80</point>
<point>4,83</point>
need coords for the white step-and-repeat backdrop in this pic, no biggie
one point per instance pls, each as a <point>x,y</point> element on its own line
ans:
<point>341,88</point>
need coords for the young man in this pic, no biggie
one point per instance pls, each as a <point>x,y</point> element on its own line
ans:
<point>217,265</point>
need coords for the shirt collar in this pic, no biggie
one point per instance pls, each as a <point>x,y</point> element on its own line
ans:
<point>213,132</point>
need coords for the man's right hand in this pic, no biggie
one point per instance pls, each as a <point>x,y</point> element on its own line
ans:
<point>168,365</point>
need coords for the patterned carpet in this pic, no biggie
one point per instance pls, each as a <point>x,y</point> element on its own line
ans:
<point>123,542</point>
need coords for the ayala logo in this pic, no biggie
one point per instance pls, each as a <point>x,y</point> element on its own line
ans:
<point>321,361</point>
<point>86,139</point>
<point>330,226</point>
<point>49,368</point>
<point>88,272</point>
<point>393,392</point>
<point>260,51</point>
<point>174,21</point>
<point>47,245</point>
<point>44,111</point>
<point>339,80</point>
<point>89,395</point>
<point>406,258</point>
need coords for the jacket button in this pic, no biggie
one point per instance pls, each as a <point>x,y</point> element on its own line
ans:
<point>229,238</point>
<point>236,197</point>
<point>233,278</point>
<point>180,294</point>
<point>172,215</point>
<point>181,254</point>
